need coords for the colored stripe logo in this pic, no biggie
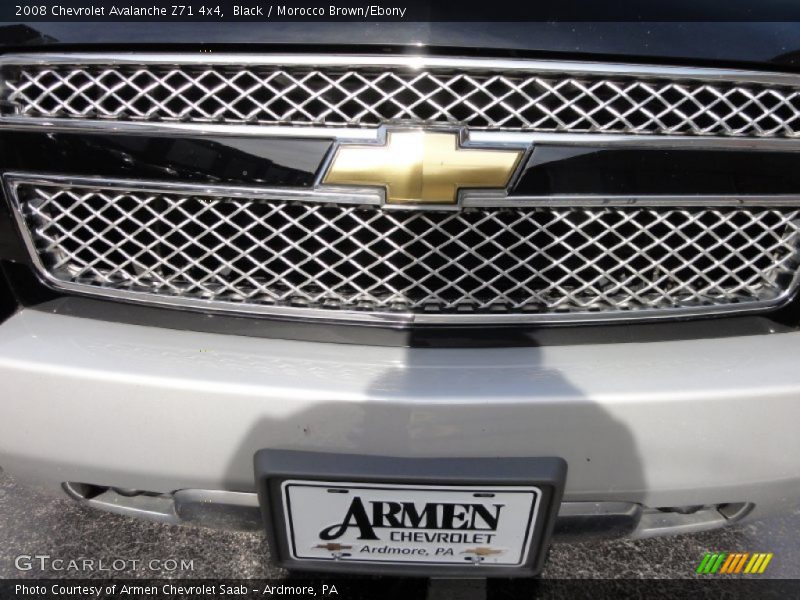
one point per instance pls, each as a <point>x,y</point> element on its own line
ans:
<point>734,563</point>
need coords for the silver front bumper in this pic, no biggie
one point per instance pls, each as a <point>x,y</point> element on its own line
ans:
<point>673,423</point>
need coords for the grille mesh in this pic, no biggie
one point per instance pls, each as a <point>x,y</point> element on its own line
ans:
<point>357,257</point>
<point>368,96</point>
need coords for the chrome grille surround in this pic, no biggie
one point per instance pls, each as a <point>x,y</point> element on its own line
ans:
<point>494,259</point>
<point>246,252</point>
<point>353,91</point>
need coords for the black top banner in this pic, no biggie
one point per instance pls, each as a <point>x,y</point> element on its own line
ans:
<point>255,11</point>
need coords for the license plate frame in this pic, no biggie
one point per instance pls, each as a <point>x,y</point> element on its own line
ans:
<point>279,471</point>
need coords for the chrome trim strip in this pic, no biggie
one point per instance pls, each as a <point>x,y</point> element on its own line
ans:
<point>348,195</point>
<point>18,123</point>
<point>615,140</point>
<point>341,195</point>
<point>12,181</point>
<point>411,62</point>
<point>374,134</point>
<point>481,199</point>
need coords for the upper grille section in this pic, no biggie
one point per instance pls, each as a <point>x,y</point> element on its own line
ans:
<point>349,259</point>
<point>509,95</point>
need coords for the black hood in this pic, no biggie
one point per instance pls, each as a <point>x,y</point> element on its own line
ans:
<point>754,45</point>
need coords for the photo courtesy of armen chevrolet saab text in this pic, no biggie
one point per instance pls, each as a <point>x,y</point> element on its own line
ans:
<point>409,298</point>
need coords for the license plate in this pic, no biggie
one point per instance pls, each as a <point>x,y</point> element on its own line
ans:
<point>429,524</point>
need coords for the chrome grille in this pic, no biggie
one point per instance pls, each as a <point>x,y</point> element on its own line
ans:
<point>516,97</point>
<point>351,259</point>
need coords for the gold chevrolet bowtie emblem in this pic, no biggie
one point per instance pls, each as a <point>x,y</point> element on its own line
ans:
<point>418,167</point>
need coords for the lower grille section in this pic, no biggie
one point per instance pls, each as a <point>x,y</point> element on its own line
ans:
<point>356,260</point>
